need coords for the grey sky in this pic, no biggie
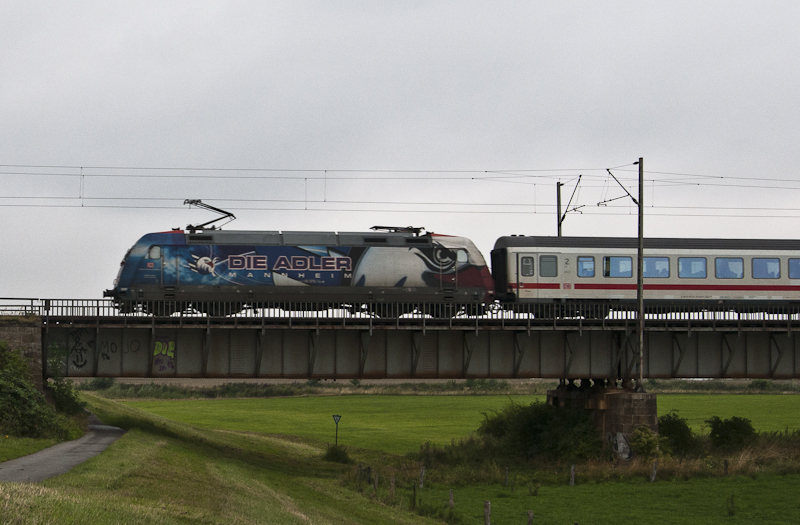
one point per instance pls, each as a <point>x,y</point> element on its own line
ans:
<point>447,91</point>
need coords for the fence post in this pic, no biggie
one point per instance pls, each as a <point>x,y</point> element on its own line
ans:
<point>376,482</point>
<point>421,476</point>
<point>452,502</point>
<point>572,476</point>
<point>530,517</point>
<point>487,512</point>
<point>655,470</point>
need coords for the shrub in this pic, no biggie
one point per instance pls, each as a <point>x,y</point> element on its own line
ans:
<point>730,434</point>
<point>677,434</point>
<point>23,409</point>
<point>97,383</point>
<point>337,454</point>
<point>65,396</point>
<point>759,384</point>
<point>541,430</point>
<point>646,443</point>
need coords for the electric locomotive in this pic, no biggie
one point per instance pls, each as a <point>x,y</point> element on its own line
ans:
<point>205,268</point>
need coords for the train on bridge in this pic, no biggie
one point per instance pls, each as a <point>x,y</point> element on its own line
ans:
<point>202,269</point>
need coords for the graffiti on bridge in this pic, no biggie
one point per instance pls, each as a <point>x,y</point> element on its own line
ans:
<point>80,344</point>
<point>164,355</point>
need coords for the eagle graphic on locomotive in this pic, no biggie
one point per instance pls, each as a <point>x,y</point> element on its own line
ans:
<point>396,270</point>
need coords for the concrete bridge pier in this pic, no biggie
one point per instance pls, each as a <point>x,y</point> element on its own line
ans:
<point>616,411</point>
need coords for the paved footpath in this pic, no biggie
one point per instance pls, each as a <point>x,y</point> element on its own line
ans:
<point>60,458</point>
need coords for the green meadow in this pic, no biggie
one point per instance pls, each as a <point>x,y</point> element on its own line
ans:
<point>392,424</point>
<point>768,413</point>
<point>259,461</point>
<point>400,424</point>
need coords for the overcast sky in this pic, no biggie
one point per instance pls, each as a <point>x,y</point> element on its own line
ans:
<point>460,117</point>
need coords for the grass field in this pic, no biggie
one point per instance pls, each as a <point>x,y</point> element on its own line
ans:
<point>393,424</point>
<point>767,412</point>
<point>399,424</point>
<point>258,461</point>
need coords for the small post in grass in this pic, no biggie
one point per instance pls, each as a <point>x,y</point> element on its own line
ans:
<point>530,517</point>
<point>336,420</point>
<point>655,471</point>
<point>421,477</point>
<point>487,512</point>
<point>452,502</point>
<point>572,476</point>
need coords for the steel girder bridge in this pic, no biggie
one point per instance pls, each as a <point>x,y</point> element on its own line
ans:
<point>587,340</point>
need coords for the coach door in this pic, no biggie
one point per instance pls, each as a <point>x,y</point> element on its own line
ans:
<point>526,277</point>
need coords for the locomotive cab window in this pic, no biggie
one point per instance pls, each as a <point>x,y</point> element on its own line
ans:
<point>729,268</point>
<point>656,267</point>
<point>766,268</point>
<point>692,267</point>
<point>154,253</point>
<point>548,266</point>
<point>585,266</point>
<point>462,256</point>
<point>794,268</point>
<point>526,267</point>
<point>617,267</point>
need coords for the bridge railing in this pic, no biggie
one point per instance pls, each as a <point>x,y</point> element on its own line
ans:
<point>579,312</point>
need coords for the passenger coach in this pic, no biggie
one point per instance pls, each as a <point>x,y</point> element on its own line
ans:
<point>703,272</point>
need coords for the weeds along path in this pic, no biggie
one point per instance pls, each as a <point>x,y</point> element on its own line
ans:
<point>167,472</point>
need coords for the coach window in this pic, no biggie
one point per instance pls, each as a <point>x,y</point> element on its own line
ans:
<point>526,266</point>
<point>692,267</point>
<point>766,268</point>
<point>794,268</point>
<point>656,267</point>
<point>548,266</point>
<point>585,266</point>
<point>154,253</point>
<point>617,267</point>
<point>729,268</point>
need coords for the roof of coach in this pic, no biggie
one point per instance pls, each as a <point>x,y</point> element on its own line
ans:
<point>307,238</point>
<point>650,243</point>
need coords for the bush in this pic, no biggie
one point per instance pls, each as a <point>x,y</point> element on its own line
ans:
<point>23,409</point>
<point>337,454</point>
<point>760,385</point>
<point>66,397</point>
<point>541,430</point>
<point>97,383</point>
<point>646,443</point>
<point>675,430</point>
<point>730,434</point>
